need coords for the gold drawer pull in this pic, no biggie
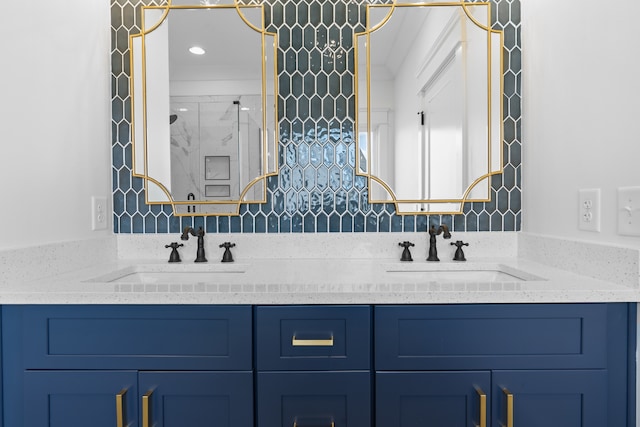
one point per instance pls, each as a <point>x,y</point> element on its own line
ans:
<point>295,423</point>
<point>146,409</point>
<point>311,343</point>
<point>483,408</point>
<point>120,407</point>
<point>509,397</point>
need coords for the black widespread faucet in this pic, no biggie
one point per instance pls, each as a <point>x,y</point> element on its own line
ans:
<point>433,232</point>
<point>200,234</point>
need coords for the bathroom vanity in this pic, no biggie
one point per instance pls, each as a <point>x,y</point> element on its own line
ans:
<point>385,349</point>
<point>323,365</point>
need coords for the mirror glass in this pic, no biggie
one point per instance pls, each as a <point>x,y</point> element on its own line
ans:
<point>429,105</point>
<point>203,85</point>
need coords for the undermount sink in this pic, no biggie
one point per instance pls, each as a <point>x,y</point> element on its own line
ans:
<point>170,274</point>
<point>170,277</point>
<point>486,274</point>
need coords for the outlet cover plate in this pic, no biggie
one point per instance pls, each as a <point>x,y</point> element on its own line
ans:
<point>589,209</point>
<point>98,213</point>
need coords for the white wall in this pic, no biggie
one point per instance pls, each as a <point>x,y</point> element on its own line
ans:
<point>581,101</point>
<point>581,112</point>
<point>55,119</point>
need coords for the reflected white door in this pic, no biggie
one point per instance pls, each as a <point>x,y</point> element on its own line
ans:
<point>442,145</point>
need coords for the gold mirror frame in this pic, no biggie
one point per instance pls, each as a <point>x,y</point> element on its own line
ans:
<point>139,132</point>
<point>495,160</point>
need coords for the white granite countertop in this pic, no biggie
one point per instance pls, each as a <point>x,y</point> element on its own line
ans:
<point>314,281</point>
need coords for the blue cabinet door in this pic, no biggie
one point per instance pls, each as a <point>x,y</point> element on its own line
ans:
<point>196,399</point>
<point>433,399</point>
<point>314,399</point>
<point>550,398</point>
<point>80,398</point>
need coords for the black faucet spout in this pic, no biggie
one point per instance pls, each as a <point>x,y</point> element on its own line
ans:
<point>433,232</point>
<point>200,257</point>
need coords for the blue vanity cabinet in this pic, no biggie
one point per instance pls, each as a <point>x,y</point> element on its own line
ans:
<point>533,398</point>
<point>128,366</point>
<point>538,364</point>
<point>451,399</point>
<point>569,365</point>
<point>196,398</point>
<point>313,366</point>
<point>79,399</point>
<point>132,398</point>
<point>563,398</point>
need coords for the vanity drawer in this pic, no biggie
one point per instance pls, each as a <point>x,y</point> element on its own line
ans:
<point>133,337</point>
<point>505,336</point>
<point>313,337</point>
<point>312,398</point>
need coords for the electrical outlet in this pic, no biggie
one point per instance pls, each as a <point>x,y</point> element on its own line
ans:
<point>589,209</point>
<point>629,211</point>
<point>98,213</point>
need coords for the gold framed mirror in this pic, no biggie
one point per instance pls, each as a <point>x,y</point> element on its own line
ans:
<point>203,85</point>
<point>429,89</point>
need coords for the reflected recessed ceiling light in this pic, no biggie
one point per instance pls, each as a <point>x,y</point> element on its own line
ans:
<point>196,50</point>
<point>245,108</point>
<point>182,109</point>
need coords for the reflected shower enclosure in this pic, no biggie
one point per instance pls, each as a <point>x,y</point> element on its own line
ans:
<point>204,124</point>
<point>209,137</point>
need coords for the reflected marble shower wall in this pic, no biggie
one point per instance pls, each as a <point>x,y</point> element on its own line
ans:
<point>316,189</point>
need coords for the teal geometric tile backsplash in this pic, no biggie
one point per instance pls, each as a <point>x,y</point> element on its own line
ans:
<point>317,188</point>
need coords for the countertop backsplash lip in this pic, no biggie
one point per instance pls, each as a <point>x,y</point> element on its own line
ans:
<point>604,261</point>
<point>319,245</point>
<point>51,259</point>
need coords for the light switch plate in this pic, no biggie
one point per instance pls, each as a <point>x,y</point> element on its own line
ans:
<point>589,209</point>
<point>629,211</point>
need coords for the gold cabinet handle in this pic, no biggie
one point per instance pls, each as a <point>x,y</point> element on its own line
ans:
<point>120,407</point>
<point>296,342</point>
<point>483,408</point>
<point>295,423</point>
<point>146,409</point>
<point>509,397</point>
